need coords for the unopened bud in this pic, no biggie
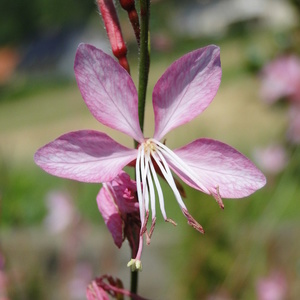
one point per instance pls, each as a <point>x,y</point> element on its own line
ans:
<point>114,33</point>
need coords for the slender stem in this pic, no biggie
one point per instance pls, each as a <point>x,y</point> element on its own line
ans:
<point>134,282</point>
<point>144,59</point>
<point>144,64</point>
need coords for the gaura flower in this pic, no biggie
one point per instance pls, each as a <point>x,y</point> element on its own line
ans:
<point>182,93</point>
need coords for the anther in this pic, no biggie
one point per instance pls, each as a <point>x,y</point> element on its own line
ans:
<point>171,221</point>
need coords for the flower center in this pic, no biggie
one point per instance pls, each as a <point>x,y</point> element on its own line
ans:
<point>153,157</point>
<point>149,146</point>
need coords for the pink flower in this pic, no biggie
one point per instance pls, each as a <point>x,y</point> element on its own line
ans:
<point>272,159</point>
<point>281,79</point>
<point>293,133</point>
<point>119,207</point>
<point>273,287</point>
<point>182,93</point>
<point>61,212</point>
<point>80,278</point>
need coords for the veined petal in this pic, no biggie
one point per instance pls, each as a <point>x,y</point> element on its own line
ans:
<point>221,169</point>
<point>110,214</point>
<point>186,89</point>
<point>86,155</point>
<point>107,90</point>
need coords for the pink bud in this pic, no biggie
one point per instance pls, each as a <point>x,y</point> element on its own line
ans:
<point>114,33</point>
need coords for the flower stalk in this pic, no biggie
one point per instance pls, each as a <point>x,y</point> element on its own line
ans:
<point>144,63</point>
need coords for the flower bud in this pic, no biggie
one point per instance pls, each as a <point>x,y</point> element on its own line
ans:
<point>114,33</point>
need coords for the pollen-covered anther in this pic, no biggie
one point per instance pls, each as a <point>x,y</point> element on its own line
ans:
<point>152,227</point>
<point>192,221</point>
<point>218,198</point>
<point>144,228</point>
<point>171,221</point>
<point>149,234</point>
<point>135,265</point>
<point>149,146</point>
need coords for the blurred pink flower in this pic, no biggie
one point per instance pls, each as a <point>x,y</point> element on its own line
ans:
<point>293,133</point>
<point>118,204</point>
<point>271,159</point>
<point>183,92</point>
<point>281,79</point>
<point>162,42</point>
<point>80,279</point>
<point>273,287</point>
<point>61,211</point>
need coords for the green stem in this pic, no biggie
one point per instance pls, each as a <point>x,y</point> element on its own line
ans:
<point>144,64</point>
<point>134,282</point>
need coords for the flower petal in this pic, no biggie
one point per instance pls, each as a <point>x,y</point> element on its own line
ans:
<point>111,215</point>
<point>219,168</point>
<point>186,89</point>
<point>85,155</point>
<point>107,90</point>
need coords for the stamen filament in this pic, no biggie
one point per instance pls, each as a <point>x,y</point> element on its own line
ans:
<point>177,161</point>
<point>159,191</point>
<point>144,170</point>
<point>170,180</point>
<point>152,192</point>
<point>139,187</point>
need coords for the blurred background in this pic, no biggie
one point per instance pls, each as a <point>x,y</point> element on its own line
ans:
<point>53,240</point>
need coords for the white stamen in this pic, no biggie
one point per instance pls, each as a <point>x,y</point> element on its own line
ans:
<point>144,171</point>
<point>139,186</point>
<point>159,191</point>
<point>169,177</point>
<point>152,192</point>
<point>180,164</point>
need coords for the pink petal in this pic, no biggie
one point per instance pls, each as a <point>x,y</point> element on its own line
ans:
<point>221,170</point>
<point>107,90</point>
<point>111,216</point>
<point>85,155</point>
<point>186,89</point>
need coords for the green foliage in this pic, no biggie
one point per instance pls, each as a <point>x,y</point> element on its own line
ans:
<point>21,19</point>
<point>23,192</point>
